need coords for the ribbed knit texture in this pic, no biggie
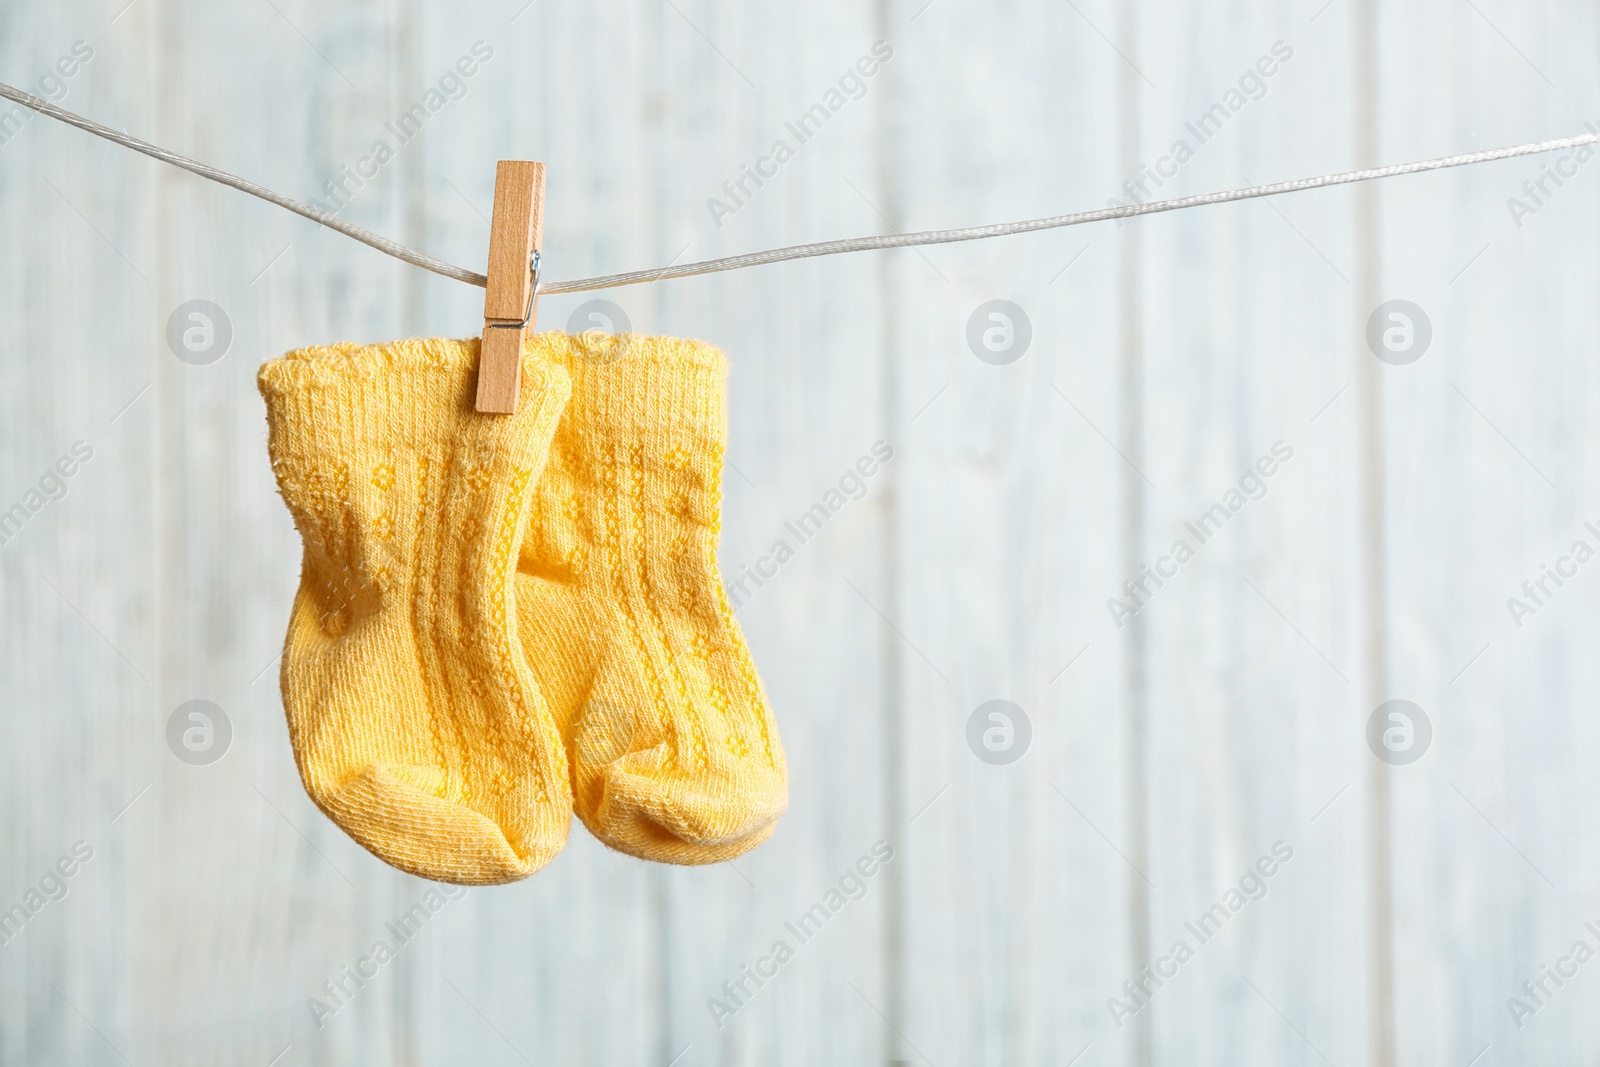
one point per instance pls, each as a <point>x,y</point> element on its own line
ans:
<point>673,750</point>
<point>416,722</point>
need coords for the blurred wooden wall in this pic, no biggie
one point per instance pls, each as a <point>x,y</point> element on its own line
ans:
<point>1170,755</point>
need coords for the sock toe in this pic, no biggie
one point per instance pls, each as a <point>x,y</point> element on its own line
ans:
<point>398,814</point>
<point>648,812</point>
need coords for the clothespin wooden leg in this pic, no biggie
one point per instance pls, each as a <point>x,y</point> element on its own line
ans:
<point>515,235</point>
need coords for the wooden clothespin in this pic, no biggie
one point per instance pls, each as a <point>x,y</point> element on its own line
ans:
<point>515,234</point>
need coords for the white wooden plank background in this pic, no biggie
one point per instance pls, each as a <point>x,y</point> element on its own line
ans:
<point>1167,355</point>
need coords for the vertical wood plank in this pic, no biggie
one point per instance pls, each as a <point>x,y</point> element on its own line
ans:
<point>1016,872</point>
<point>1493,479</point>
<point>1241,566</point>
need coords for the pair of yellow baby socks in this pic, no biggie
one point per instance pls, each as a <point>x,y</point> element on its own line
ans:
<point>503,619</point>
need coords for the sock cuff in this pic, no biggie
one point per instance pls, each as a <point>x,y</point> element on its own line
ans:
<point>662,397</point>
<point>333,400</point>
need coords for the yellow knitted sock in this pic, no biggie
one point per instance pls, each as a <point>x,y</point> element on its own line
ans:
<point>417,726</point>
<point>674,752</point>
